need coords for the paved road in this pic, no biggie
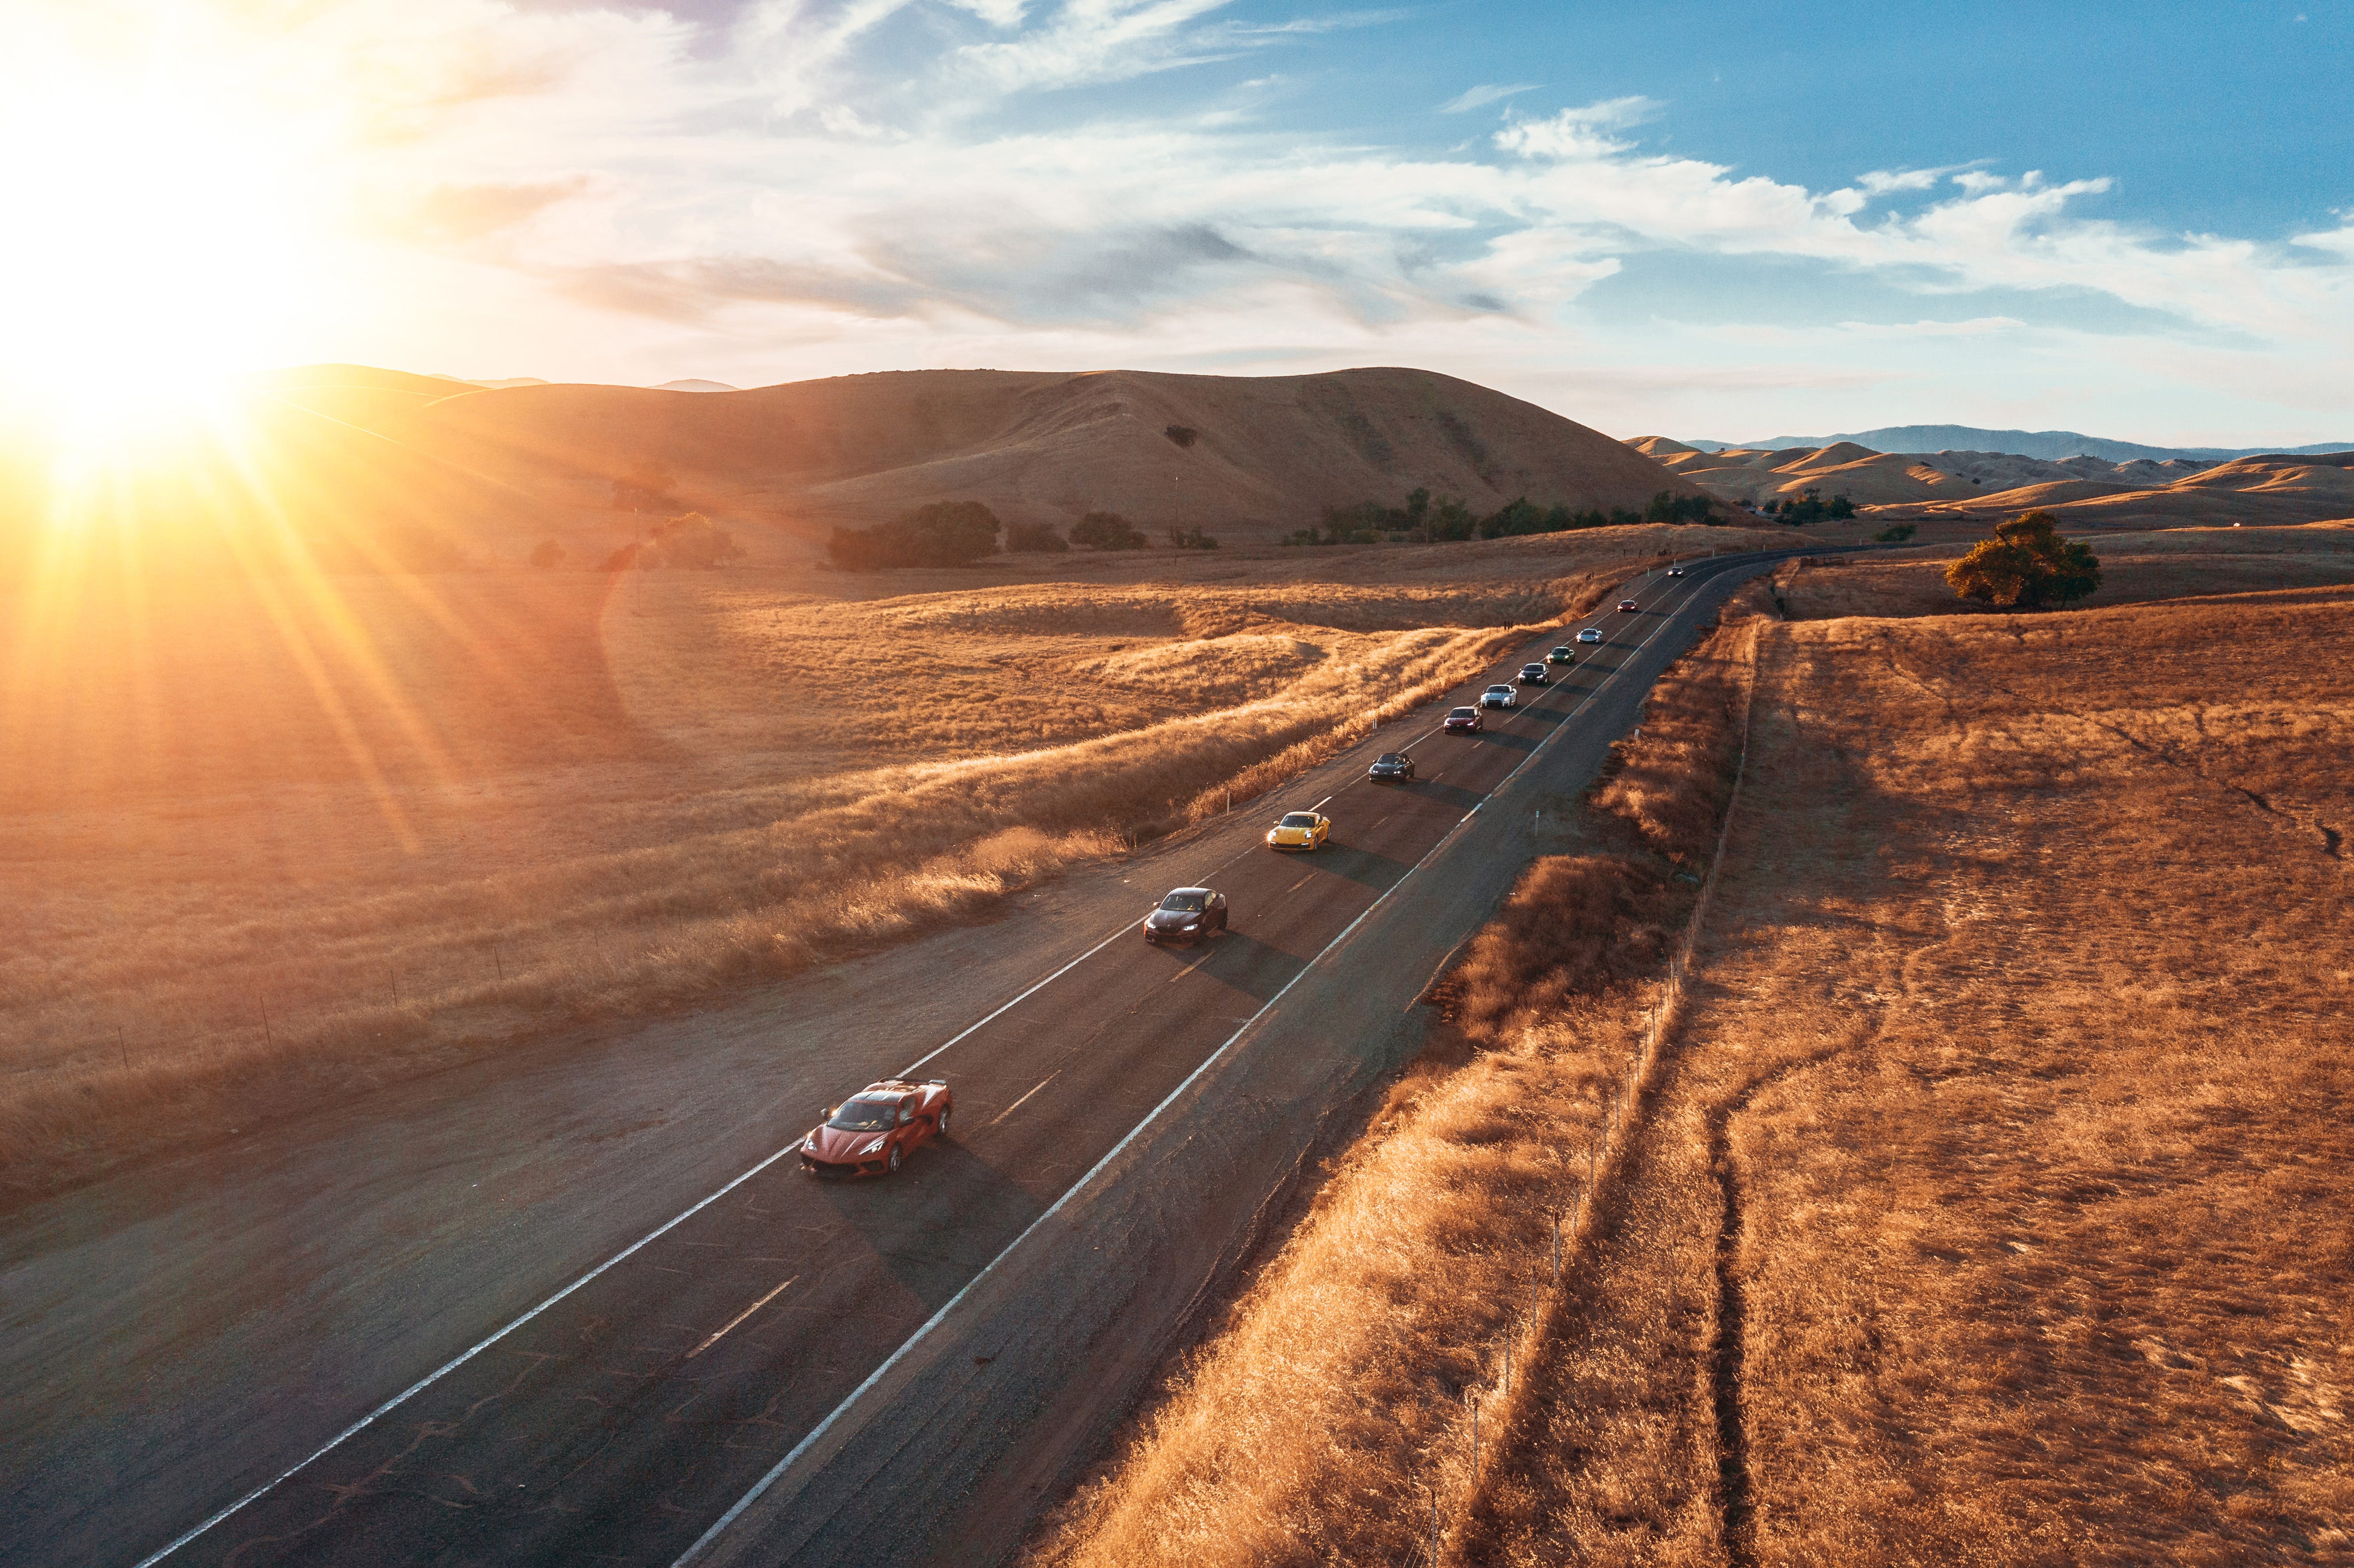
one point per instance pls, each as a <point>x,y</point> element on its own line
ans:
<point>724,1365</point>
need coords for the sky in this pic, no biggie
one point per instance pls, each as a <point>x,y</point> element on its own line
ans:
<point>1697,219</point>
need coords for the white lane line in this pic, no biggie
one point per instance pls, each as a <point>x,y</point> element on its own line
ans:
<point>1042,985</point>
<point>1017,1104</point>
<point>495,1336</point>
<point>438,1374</point>
<point>761,1486</point>
<point>739,1317</point>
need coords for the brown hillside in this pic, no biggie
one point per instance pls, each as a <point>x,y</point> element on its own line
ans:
<point>1255,453</point>
<point>2276,491</point>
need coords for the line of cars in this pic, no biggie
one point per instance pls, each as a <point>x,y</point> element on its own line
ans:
<point>872,1132</point>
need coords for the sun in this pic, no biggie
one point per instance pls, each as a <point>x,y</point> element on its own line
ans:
<point>157,244</point>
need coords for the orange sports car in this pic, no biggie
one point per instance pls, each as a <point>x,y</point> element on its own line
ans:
<point>871,1133</point>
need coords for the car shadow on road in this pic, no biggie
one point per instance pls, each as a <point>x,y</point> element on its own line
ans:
<point>1450,795</point>
<point>1378,871</point>
<point>939,1221</point>
<point>1509,741</point>
<point>1243,963</point>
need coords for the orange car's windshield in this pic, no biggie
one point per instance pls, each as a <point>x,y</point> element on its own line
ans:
<point>865,1116</point>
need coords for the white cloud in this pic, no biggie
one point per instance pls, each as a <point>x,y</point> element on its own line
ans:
<point>739,214</point>
<point>1485,93</point>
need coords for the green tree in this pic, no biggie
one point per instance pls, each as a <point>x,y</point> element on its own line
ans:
<point>1107,531</point>
<point>2027,566</point>
<point>1034,539</point>
<point>693,540</point>
<point>942,534</point>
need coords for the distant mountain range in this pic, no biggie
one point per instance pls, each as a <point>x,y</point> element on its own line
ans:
<point>2049,445</point>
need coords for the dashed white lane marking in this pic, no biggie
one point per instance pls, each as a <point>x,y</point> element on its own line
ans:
<point>739,1317</point>
<point>664,1229</point>
<point>1017,1104</point>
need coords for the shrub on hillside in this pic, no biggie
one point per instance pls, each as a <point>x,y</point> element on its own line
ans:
<point>693,541</point>
<point>1896,532</point>
<point>943,533</point>
<point>1424,519</point>
<point>1184,434</point>
<point>1192,539</point>
<point>1107,531</point>
<point>1808,506</point>
<point>2027,566</point>
<point>1667,506</point>
<point>1034,539</point>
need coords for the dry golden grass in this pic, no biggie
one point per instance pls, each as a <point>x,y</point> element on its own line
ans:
<point>1319,1423</point>
<point>280,836</point>
<point>1989,1203</point>
<point>2135,568</point>
<point>1993,1206</point>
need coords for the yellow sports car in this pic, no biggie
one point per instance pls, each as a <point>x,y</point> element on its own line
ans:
<point>1299,831</point>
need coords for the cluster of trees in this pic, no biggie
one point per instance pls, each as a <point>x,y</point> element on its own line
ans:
<point>689,541</point>
<point>1107,531</point>
<point>1424,519</point>
<point>1808,506</point>
<point>943,533</point>
<point>953,533</point>
<point>1896,532</point>
<point>2027,566</point>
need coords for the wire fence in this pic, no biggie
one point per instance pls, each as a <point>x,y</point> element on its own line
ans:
<point>1572,1220</point>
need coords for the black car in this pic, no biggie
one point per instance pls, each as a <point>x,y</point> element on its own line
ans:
<point>1462,721</point>
<point>1675,571</point>
<point>1187,915</point>
<point>1533,675</point>
<point>1392,765</point>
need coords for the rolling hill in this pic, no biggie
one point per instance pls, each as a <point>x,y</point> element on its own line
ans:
<point>2086,491</point>
<point>2050,445</point>
<point>1250,455</point>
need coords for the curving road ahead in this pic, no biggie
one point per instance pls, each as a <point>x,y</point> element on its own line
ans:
<point>780,1371</point>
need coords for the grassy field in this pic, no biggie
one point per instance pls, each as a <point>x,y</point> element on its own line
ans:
<point>2135,567</point>
<point>1337,1400</point>
<point>276,836</point>
<point>1988,1203</point>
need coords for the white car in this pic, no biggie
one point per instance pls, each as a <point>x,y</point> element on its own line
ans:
<point>1497,696</point>
<point>1589,635</point>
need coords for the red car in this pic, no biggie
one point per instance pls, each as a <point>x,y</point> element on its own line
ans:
<point>1463,721</point>
<point>870,1133</point>
<point>1629,604</point>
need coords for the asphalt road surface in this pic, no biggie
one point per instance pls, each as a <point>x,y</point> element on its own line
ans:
<point>751,1376</point>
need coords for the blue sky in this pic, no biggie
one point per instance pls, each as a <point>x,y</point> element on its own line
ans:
<point>1697,218</point>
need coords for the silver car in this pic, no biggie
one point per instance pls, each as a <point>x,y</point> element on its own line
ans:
<point>1497,696</point>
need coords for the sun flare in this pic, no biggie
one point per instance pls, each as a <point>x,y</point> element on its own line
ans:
<point>164,247</point>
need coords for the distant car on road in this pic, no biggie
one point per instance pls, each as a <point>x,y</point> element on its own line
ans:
<point>871,1133</point>
<point>1534,675</point>
<point>1299,831</point>
<point>1675,571</point>
<point>1463,721</point>
<point>1187,915</point>
<point>1629,604</point>
<point>1589,635</point>
<point>1498,696</point>
<point>1394,764</point>
<point>1561,656</point>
